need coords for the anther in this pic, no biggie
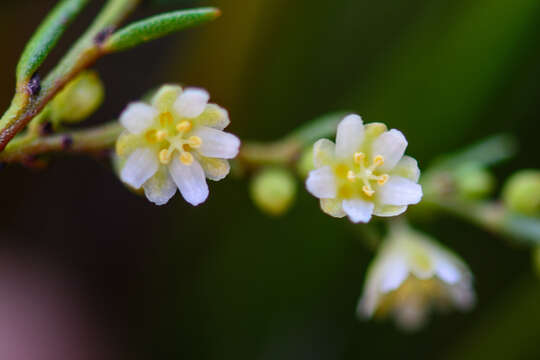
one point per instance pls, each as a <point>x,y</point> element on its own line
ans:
<point>165,118</point>
<point>161,135</point>
<point>164,156</point>
<point>383,179</point>
<point>378,160</point>
<point>186,158</point>
<point>368,190</point>
<point>183,126</point>
<point>359,157</point>
<point>351,176</point>
<point>194,141</point>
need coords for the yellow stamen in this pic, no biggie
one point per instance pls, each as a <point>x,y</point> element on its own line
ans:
<point>186,158</point>
<point>161,135</point>
<point>150,136</point>
<point>378,160</point>
<point>368,190</point>
<point>351,176</point>
<point>165,118</point>
<point>194,141</point>
<point>359,157</point>
<point>383,179</point>
<point>164,156</point>
<point>183,126</point>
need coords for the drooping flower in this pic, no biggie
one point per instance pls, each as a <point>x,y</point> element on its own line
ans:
<point>411,275</point>
<point>177,141</point>
<point>364,172</point>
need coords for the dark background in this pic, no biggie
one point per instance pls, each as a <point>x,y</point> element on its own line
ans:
<point>223,281</point>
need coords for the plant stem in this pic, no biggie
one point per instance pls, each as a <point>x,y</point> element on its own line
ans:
<point>32,97</point>
<point>82,141</point>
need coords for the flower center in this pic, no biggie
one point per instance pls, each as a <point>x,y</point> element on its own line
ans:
<point>174,139</point>
<point>366,172</point>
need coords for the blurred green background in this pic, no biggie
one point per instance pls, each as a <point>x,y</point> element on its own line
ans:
<point>223,281</point>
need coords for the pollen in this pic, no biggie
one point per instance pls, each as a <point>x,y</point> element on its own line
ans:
<point>161,135</point>
<point>165,118</point>
<point>195,142</point>
<point>378,160</point>
<point>164,156</point>
<point>368,190</point>
<point>186,158</point>
<point>383,179</point>
<point>359,157</point>
<point>184,126</point>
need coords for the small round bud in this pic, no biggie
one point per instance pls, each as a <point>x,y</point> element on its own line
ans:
<point>521,193</point>
<point>305,164</point>
<point>474,181</point>
<point>79,99</point>
<point>273,190</point>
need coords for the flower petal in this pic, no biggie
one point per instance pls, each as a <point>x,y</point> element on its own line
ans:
<point>323,152</point>
<point>165,97</point>
<point>358,210</point>
<point>160,188</point>
<point>447,271</point>
<point>391,145</point>
<point>333,207</point>
<point>389,210</point>
<point>395,272</point>
<point>215,169</point>
<point>137,117</point>
<point>349,137</point>
<point>191,102</point>
<point>214,116</point>
<point>407,167</point>
<point>190,180</point>
<point>321,183</point>
<point>217,143</point>
<point>399,191</point>
<point>140,166</point>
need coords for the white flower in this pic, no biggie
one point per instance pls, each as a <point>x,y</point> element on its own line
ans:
<point>410,275</point>
<point>364,173</point>
<point>176,142</point>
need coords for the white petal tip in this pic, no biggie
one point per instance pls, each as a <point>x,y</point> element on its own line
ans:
<point>321,183</point>
<point>358,211</point>
<point>191,102</point>
<point>137,117</point>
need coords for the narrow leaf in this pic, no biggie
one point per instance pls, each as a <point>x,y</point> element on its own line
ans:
<point>323,126</point>
<point>487,152</point>
<point>46,37</point>
<point>158,26</point>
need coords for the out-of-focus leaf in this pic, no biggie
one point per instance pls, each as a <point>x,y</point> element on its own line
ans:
<point>323,126</point>
<point>173,2</point>
<point>158,26</point>
<point>524,228</point>
<point>485,153</point>
<point>46,37</point>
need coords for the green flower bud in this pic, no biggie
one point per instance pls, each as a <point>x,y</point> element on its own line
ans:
<point>305,164</point>
<point>474,181</point>
<point>273,190</point>
<point>521,192</point>
<point>79,99</point>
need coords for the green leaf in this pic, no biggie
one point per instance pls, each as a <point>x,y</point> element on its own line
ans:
<point>323,126</point>
<point>46,37</point>
<point>485,153</point>
<point>521,227</point>
<point>158,26</point>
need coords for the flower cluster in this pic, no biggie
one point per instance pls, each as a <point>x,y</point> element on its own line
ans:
<point>411,274</point>
<point>364,172</point>
<point>176,142</point>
